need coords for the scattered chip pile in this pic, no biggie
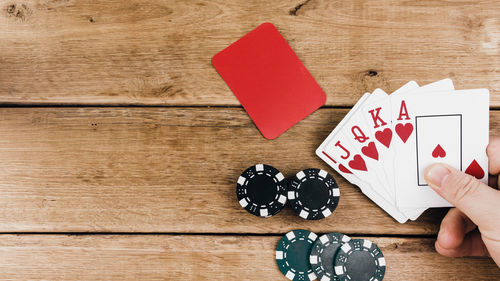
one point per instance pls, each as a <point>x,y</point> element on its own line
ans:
<point>301,255</point>
<point>263,191</point>
<point>313,194</point>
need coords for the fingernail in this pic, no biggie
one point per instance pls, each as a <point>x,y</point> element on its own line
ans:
<point>435,174</point>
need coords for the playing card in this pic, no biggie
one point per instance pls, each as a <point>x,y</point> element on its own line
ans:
<point>350,155</point>
<point>342,150</point>
<point>383,135</point>
<point>269,80</point>
<point>347,173</point>
<point>443,145</point>
<point>355,136</point>
<point>365,146</point>
<point>320,151</point>
<point>364,186</point>
<point>441,85</point>
<point>388,155</point>
<point>361,136</point>
<point>450,127</point>
<point>353,125</point>
<point>378,115</point>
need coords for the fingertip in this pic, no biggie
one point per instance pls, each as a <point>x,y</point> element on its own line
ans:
<point>472,245</point>
<point>493,149</point>
<point>436,173</point>
<point>438,247</point>
<point>453,229</point>
<point>494,142</point>
<point>444,251</point>
<point>447,240</point>
<point>448,252</point>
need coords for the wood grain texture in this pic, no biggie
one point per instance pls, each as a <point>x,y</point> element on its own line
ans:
<point>158,52</point>
<point>164,170</point>
<point>186,257</point>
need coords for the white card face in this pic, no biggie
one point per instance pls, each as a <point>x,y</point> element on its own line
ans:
<point>366,188</point>
<point>438,138</point>
<point>341,169</point>
<point>438,86</point>
<point>378,113</point>
<point>343,152</point>
<point>362,136</point>
<point>388,155</point>
<point>358,133</point>
<point>378,117</point>
<point>338,154</point>
<point>442,85</point>
<point>467,136</point>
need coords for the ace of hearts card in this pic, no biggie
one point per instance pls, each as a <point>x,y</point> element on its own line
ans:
<point>443,127</point>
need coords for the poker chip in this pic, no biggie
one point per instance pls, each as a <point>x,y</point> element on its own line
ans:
<point>261,190</point>
<point>323,253</point>
<point>292,255</point>
<point>313,194</point>
<point>360,260</point>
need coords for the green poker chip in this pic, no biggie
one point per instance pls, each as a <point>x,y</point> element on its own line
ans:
<point>359,260</point>
<point>323,253</point>
<point>292,255</point>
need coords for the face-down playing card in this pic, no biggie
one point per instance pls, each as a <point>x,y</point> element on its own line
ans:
<point>269,80</point>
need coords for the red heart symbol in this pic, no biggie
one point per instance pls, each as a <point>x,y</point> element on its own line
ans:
<point>475,170</point>
<point>343,169</point>
<point>404,131</point>
<point>438,152</point>
<point>357,163</point>
<point>384,137</point>
<point>370,150</point>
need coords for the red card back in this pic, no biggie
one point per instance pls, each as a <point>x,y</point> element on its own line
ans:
<point>269,80</point>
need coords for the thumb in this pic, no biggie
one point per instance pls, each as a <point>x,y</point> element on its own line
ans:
<point>474,198</point>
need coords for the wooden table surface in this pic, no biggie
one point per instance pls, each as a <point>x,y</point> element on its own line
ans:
<point>120,144</point>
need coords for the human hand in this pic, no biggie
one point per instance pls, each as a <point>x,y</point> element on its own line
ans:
<point>472,228</point>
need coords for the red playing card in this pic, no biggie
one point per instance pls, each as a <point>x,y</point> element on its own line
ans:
<point>269,80</point>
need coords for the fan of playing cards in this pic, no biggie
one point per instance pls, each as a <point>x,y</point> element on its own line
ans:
<point>385,143</point>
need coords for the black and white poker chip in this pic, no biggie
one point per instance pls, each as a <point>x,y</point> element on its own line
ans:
<point>313,194</point>
<point>360,260</point>
<point>323,253</point>
<point>261,190</point>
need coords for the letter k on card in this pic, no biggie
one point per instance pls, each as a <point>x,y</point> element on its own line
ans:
<point>378,115</point>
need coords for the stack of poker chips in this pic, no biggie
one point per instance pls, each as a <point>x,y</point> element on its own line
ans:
<point>313,194</point>
<point>263,191</point>
<point>301,255</point>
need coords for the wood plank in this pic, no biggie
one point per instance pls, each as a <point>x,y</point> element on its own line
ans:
<point>165,257</point>
<point>158,52</point>
<point>163,170</point>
